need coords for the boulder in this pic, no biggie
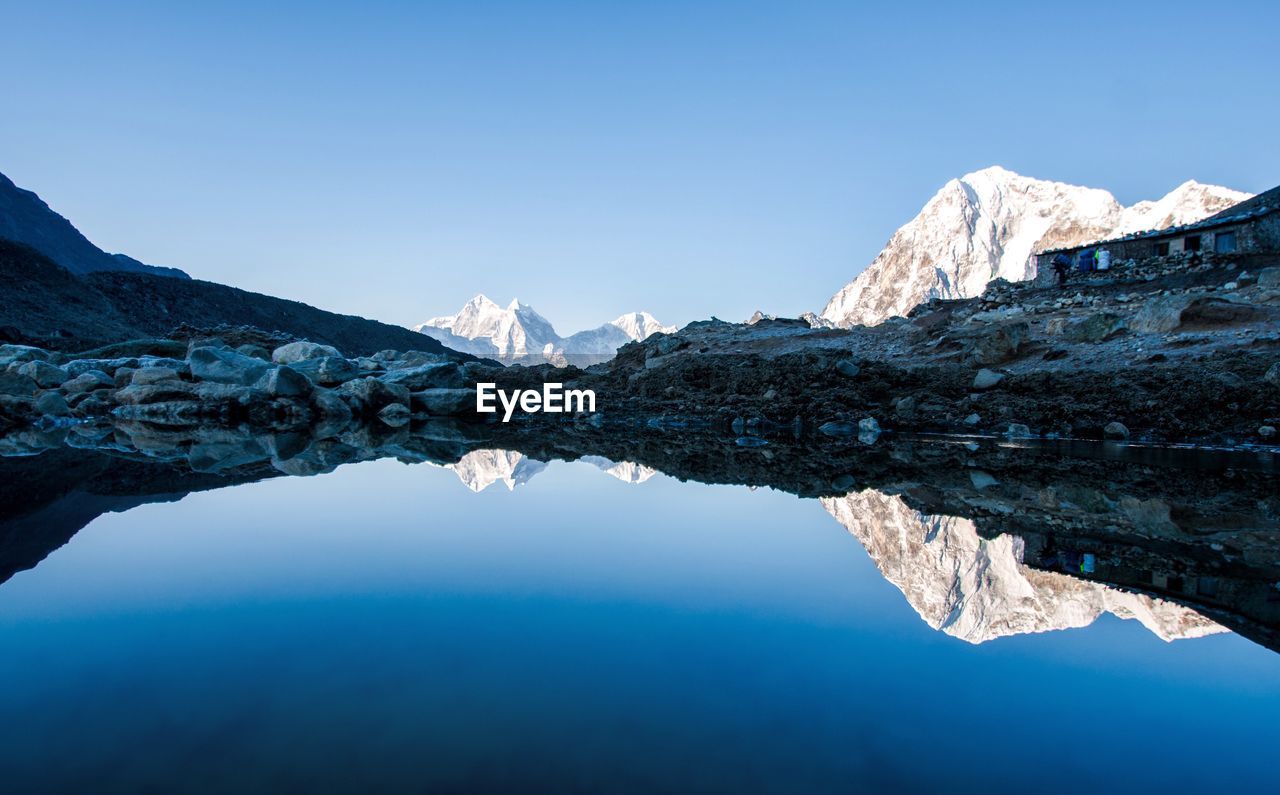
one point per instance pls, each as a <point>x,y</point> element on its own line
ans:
<point>89,381</point>
<point>1094,328</point>
<point>140,394</point>
<point>331,408</point>
<point>1267,431</point>
<point>80,366</point>
<point>225,366</point>
<point>1272,376</point>
<point>254,351</point>
<point>433,375</point>
<point>16,384</point>
<point>848,368</point>
<point>1115,430</point>
<point>284,381</point>
<point>44,374</point>
<point>51,404</point>
<point>22,353</point>
<point>368,396</point>
<point>972,420</point>
<point>327,370</point>
<point>444,402</point>
<point>986,379</point>
<point>1161,314</point>
<point>153,375</point>
<point>394,414</point>
<point>992,344</point>
<point>1017,430</point>
<point>837,429</point>
<point>301,351</point>
<point>1269,278</point>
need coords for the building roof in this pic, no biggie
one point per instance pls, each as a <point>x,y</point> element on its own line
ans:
<point>1250,209</point>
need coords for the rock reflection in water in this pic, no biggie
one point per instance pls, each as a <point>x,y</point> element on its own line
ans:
<point>984,540</point>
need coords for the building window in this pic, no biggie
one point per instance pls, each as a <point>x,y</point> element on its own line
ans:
<point>1191,243</point>
<point>1224,242</point>
<point>1160,249</point>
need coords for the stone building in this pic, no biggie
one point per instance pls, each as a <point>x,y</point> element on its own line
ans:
<point>1250,227</point>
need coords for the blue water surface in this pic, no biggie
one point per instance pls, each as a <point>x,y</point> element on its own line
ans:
<point>384,629</point>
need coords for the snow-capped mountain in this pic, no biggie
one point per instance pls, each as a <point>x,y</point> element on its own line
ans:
<point>988,224</point>
<point>480,469</point>
<point>977,589</point>
<point>484,328</point>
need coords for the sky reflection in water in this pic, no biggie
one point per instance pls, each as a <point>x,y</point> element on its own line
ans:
<point>382,627</point>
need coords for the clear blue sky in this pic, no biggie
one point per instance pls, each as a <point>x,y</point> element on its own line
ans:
<point>691,159</point>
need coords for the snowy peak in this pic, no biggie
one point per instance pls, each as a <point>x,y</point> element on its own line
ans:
<point>480,469</point>
<point>639,325</point>
<point>987,224</point>
<point>978,589</point>
<point>484,328</point>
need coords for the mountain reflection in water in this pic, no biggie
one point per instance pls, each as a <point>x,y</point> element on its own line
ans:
<point>385,628</point>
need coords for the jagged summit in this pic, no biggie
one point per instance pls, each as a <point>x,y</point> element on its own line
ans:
<point>987,224</point>
<point>484,328</point>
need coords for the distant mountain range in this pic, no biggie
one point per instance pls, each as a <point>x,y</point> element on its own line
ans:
<point>485,328</point>
<point>987,224</point>
<point>480,469</point>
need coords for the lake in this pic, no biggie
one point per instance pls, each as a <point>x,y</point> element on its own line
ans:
<point>509,625</point>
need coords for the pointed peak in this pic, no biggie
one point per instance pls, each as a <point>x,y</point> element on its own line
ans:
<point>481,300</point>
<point>514,305</point>
<point>993,173</point>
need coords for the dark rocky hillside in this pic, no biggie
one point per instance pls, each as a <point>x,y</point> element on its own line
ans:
<point>24,217</point>
<point>47,305</point>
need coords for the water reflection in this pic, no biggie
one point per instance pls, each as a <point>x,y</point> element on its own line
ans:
<point>983,540</point>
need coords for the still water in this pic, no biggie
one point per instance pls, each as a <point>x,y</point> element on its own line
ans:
<point>385,628</point>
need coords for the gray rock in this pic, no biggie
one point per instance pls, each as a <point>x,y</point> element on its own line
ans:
<point>1269,278</point>
<point>368,396</point>
<point>1159,315</point>
<point>444,402</point>
<point>1267,431</point>
<point>986,379</point>
<point>982,480</point>
<point>123,377</point>
<point>1094,328</point>
<point>153,375</point>
<point>1115,430</point>
<point>224,366</point>
<point>394,414</point>
<point>301,351</point>
<point>972,420</point>
<point>16,384</point>
<point>1017,430</point>
<point>170,412</point>
<point>77,367</point>
<point>89,381</point>
<point>1272,376</point>
<point>905,406</point>
<point>994,344</point>
<point>432,375</point>
<point>140,394</point>
<point>284,381</point>
<point>44,374</point>
<point>848,367</point>
<point>51,404</point>
<point>837,429</point>
<point>21,353</point>
<point>255,351</point>
<point>328,370</point>
<point>330,407</point>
